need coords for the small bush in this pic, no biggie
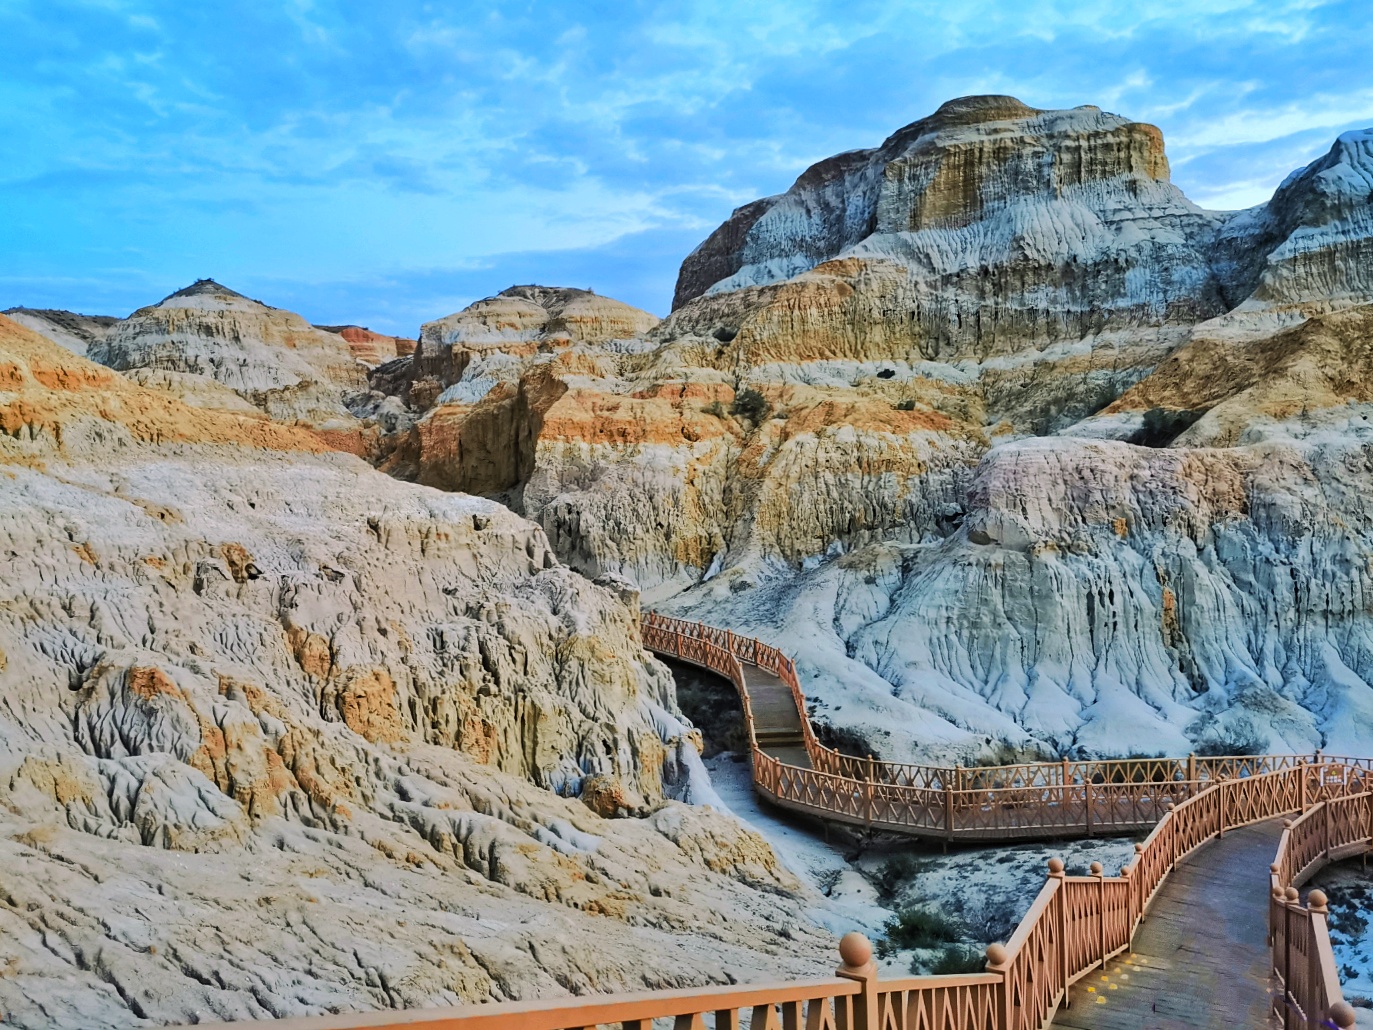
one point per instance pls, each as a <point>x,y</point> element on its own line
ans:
<point>895,873</point>
<point>1236,742</point>
<point>917,928</point>
<point>715,408</point>
<point>958,959</point>
<point>906,405</point>
<point>750,404</point>
<point>828,880</point>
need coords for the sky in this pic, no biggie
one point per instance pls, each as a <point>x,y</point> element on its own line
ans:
<point>387,164</point>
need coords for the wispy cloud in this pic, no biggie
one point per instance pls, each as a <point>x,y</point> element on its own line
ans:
<point>386,150</point>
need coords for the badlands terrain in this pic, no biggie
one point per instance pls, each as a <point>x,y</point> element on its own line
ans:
<point>323,684</point>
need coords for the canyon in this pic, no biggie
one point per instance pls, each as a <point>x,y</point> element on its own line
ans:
<point>313,635</point>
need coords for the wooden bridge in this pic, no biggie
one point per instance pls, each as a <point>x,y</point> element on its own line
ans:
<point>1222,945</point>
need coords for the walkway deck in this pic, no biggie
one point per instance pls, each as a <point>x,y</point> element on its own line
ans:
<point>1201,957</point>
<point>776,722</point>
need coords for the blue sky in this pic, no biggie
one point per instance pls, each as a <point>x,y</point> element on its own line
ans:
<point>389,163</point>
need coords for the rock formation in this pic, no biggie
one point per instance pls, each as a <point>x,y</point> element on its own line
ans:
<point>864,381</point>
<point>368,708</point>
<point>480,381</point>
<point>273,359</point>
<point>1017,450</point>
<point>372,349</point>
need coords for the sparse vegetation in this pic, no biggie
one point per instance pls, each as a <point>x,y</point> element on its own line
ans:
<point>905,405</point>
<point>1238,741</point>
<point>957,958</point>
<point>828,880</point>
<point>1164,425</point>
<point>750,404</point>
<point>896,872</point>
<point>715,408</point>
<point>917,928</point>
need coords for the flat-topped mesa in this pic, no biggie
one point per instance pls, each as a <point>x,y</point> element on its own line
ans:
<point>971,157</point>
<point>271,358</point>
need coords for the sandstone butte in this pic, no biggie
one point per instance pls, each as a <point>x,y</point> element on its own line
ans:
<point>1015,449</point>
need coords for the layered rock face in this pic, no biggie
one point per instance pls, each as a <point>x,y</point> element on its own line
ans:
<point>988,226</point>
<point>272,359</point>
<point>480,382</point>
<point>372,349</point>
<point>835,436</point>
<point>371,709</point>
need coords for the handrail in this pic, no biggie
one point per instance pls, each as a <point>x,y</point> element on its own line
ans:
<point>1075,925</point>
<point>1029,800</point>
<point>1303,959</point>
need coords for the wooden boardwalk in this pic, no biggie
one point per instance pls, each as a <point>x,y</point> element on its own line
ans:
<point>776,722</point>
<point>1201,956</point>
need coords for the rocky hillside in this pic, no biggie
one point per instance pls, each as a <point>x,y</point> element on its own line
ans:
<point>1019,448</point>
<point>366,708</point>
<point>206,341</point>
<point>65,328</point>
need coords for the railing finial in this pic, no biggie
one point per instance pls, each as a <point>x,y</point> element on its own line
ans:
<point>1316,901</point>
<point>1056,867</point>
<point>855,950</point>
<point>997,956</point>
<point>1342,1014</point>
<point>1096,868</point>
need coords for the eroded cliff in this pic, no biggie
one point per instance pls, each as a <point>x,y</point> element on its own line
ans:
<point>280,735</point>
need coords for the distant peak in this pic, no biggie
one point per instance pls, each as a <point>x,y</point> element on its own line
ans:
<point>202,287</point>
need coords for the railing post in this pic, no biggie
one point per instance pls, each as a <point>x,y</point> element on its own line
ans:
<point>1290,903</point>
<point>1325,833</point>
<point>1087,804</point>
<point>1315,910</point>
<point>1301,784</point>
<point>999,962</point>
<point>948,811</point>
<point>867,792</point>
<point>1100,875</point>
<point>855,954</point>
<point>1191,772</point>
<point>1061,903</point>
<point>1137,895</point>
<point>1220,807</point>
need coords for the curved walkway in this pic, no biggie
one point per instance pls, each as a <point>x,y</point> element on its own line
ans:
<point>1178,939</point>
<point>1201,958</point>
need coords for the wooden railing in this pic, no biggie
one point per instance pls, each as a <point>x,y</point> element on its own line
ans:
<point>1030,800</point>
<point>1305,975</point>
<point>1075,924</point>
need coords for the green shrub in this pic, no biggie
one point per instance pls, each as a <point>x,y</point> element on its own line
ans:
<point>895,873</point>
<point>750,404</point>
<point>906,405</point>
<point>917,928</point>
<point>958,958</point>
<point>1239,741</point>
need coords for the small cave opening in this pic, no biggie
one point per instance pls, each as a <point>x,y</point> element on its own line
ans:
<point>712,704</point>
<point>1164,425</point>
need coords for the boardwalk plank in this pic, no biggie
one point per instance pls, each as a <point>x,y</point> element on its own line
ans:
<point>1200,958</point>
